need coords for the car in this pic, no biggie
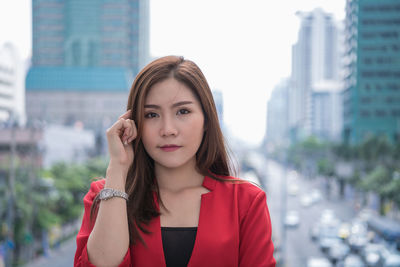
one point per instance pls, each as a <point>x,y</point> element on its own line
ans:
<point>316,195</point>
<point>328,216</point>
<point>357,242</point>
<point>338,251</point>
<point>372,254</point>
<point>344,230</point>
<point>391,258</point>
<point>293,189</point>
<point>318,262</point>
<point>327,237</point>
<point>292,218</point>
<point>353,260</point>
<point>358,237</point>
<point>306,200</point>
<point>314,231</point>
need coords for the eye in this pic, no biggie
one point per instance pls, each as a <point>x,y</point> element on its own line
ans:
<point>183,111</point>
<point>151,115</point>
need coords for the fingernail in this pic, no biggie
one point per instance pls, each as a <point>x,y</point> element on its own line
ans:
<point>126,142</point>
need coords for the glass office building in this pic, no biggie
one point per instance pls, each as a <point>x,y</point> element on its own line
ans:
<point>372,83</point>
<point>85,55</point>
<point>87,33</point>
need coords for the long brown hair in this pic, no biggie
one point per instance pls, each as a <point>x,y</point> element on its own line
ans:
<point>211,158</point>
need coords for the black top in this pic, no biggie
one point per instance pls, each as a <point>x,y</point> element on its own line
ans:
<point>178,243</point>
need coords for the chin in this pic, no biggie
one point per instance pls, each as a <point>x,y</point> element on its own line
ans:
<point>172,163</point>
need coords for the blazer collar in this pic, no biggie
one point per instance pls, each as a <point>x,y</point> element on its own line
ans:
<point>209,183</point>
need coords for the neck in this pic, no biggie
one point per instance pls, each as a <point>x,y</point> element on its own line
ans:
<point>177,179</point>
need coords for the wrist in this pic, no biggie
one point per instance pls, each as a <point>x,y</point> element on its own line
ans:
<point>115,178</point>
<point>115,166</point>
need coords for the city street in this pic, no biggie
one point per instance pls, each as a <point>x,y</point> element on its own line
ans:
<point>299,246</point>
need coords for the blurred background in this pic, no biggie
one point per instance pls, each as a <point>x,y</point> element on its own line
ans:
<point>308,96</point>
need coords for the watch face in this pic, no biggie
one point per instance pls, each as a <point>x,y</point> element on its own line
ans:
<point>105,194</point>
<point>108,193</point>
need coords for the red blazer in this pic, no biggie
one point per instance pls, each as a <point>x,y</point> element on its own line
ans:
<point>234,229</point>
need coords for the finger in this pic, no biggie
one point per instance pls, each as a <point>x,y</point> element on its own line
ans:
<point>128,129</point>
<point>117,127</point>
<point>126,115</point>
<point>134,131</point>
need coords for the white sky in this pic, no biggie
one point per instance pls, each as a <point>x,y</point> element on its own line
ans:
<point>243,47</point>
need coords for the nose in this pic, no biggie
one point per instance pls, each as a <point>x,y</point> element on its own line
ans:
<point>168,127</point>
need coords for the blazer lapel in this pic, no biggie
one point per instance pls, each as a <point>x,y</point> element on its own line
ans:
<point>204,229</point>
<point>151,255</point>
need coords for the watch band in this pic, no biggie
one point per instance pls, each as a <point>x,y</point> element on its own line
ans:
<point>108,193</point>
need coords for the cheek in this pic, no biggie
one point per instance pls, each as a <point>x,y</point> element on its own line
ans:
<point>196,127</point>
<point>146,137</point>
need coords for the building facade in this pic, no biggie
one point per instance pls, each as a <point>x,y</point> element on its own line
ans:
<point>277,132</point>
<point>372,81</point>
<point>90,33</point>
<point>85,55</point>
<point>327,111</point>
<point>12,93</point>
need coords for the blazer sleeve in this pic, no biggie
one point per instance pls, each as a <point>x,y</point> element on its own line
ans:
<point>81,256</point>
<point>256,247</point>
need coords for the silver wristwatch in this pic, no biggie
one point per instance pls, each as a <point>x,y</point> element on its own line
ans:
<point>108,193</point>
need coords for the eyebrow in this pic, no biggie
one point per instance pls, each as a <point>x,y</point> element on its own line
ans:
<point>177,104</point>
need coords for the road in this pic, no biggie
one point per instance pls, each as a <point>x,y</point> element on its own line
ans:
<point>62,257</point>
<point>298,246</point>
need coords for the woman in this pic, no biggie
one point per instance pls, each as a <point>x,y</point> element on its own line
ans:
<point>168,198</point>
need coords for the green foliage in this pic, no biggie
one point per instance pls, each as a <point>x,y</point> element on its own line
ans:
<point>375,149</point>
<point>48,197</point>
<point>311,144</point>
<point>70,184</point>
<point>343,151</point>
<point>376,180</point>
<point>355,179</point>
<point>326,167</point>
<point>392,188</point>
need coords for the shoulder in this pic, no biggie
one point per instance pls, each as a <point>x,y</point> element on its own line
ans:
<point>244,190</point>
<point>241,194</point>
<point>95,187</point>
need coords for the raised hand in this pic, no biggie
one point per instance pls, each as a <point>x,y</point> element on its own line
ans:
<point>119,138</point>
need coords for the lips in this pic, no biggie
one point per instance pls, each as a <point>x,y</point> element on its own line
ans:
<point>169,148</point>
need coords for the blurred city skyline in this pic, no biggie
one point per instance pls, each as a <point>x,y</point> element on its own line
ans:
<point>244,50</point>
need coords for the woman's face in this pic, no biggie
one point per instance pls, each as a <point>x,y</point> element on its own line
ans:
<point>173,126</point>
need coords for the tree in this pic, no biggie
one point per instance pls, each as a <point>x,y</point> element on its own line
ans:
<point>376,181</point>
<point>375,149</point>
<point>53,197</point>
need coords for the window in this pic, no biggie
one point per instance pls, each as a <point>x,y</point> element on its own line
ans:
<point>380,113</point>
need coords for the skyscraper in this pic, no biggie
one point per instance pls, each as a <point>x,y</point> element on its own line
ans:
<point>372,82</point>
<point>85,56</point>
<point>315,58</point>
